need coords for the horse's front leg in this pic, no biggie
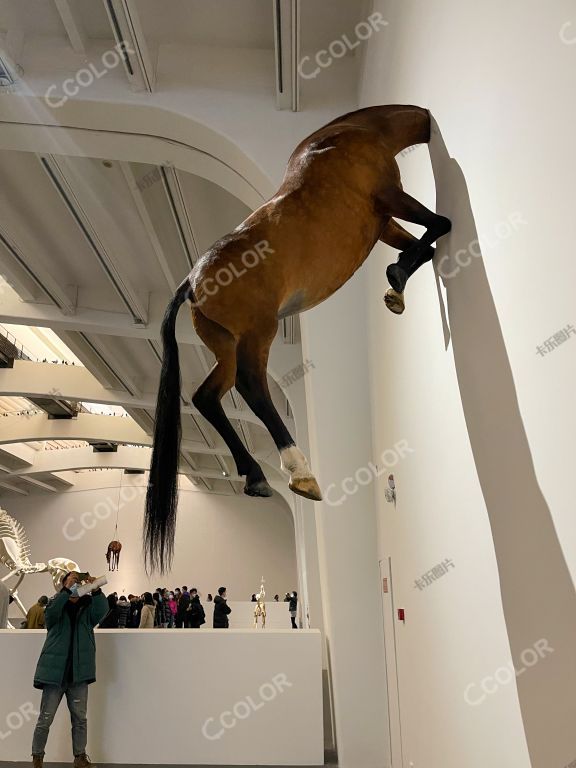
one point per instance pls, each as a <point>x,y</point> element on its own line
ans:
<point>410,259</point>
<point>414,252</point>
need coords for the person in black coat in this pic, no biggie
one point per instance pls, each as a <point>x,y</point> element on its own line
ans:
<point>158,609</point>
<point>293,608</point>
<point>110,621</point>
<point>182,611</point>
<point>123,607</point>
<point>221,610</point>
<point>196,616</point>
<point>135,609</point>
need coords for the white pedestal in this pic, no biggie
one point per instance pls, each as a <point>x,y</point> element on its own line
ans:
<point>214,697</point>
<point>242,616</point>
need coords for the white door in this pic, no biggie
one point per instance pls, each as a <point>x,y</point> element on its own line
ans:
<point>389,611</point>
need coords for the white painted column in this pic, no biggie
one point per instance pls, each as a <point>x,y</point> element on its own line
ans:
<point>282,359</point>
<point>334,337</point>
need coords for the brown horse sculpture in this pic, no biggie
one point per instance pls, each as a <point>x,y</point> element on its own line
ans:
<point>340,195</point>
<point>113,555</point>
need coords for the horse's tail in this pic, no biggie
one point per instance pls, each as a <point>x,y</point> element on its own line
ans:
<point>162,493</point>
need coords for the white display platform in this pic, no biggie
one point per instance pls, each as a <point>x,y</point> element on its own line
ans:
<point>163,696</point>
<point>242,616</point>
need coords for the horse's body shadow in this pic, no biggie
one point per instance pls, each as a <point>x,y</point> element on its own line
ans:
<point>538,595</point>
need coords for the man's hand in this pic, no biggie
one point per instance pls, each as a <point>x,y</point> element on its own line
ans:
<point>71,579</point>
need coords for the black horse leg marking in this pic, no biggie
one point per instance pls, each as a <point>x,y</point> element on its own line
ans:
<point>207,399</point>
<point>401,205</point>
<point>252,384</point>
<point>209,394</point>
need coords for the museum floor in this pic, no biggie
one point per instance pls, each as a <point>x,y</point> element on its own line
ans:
<point>6,764</point>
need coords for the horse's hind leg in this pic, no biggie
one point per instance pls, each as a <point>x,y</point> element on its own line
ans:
<point>397,237</point>
<point>209,394</point>
<point>252,384</point>
<point>399,204</point>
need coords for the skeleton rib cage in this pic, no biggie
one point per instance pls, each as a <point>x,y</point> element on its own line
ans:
<point>15,555</point>
<point>14,546</point>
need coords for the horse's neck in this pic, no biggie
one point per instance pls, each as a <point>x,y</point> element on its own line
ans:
<point>402,125</point>
<point>406,127</point>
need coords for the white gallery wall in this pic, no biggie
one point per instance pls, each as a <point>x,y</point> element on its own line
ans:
<point>233,697</point>
<point>220,540</point>
<point>486,491</point>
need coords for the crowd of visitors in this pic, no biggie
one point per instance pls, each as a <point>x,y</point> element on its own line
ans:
<point>178,608</point>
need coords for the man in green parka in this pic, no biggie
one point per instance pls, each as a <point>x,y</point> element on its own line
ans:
<point>67,664</point>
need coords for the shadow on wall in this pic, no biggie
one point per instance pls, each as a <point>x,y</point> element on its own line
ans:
<point>538,595</point>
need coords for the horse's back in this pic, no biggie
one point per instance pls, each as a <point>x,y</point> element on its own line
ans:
<point>397,125</point>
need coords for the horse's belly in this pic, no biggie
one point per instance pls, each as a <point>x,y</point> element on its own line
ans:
<point>327,281</point>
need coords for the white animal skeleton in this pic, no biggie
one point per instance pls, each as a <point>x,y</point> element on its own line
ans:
<point>15,555</point>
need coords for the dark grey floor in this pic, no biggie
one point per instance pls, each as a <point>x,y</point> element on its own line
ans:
<point>330,763</point>
<point>6,764</point>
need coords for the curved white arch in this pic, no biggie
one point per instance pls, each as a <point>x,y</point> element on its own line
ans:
<point>126,457</point>
<point>91,129</point>
<point>71,382</point>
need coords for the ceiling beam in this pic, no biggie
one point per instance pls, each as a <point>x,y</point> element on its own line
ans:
<point>73,24</point>
<point>96,321</point>
<point>70,191</point>
<point>182,220</point>
<point>39,483</point>
<point>138,199</point>
<point>18,267</point>
<point>287,53</point>
<point>127,30</point>
<point>103,364</point>
<point>11,47</point>
<point>16,453</point>
<point>12,487</point>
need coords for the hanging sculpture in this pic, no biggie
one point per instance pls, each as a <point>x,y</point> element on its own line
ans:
<point>341,194</point>
<point>15,555</point>
<point>113,555</point>
<point>260,607</point>
<point>115,547</point>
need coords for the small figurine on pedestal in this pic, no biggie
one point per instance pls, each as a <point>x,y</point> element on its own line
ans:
<point>260,607</point>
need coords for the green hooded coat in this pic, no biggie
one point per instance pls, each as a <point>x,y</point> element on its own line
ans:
<point>52,662</point>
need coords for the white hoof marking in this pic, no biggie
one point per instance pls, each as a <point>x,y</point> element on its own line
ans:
<point>294,462</point>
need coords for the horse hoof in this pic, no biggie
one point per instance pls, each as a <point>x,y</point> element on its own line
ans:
<point>261,488</point>
<point>307,487</point>
<point>396,277</point>
<point>394,301</point>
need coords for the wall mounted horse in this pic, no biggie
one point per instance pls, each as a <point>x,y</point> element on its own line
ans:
<point>340,195</point>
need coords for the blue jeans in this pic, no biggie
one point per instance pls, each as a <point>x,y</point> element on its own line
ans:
<point>77,700</point>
